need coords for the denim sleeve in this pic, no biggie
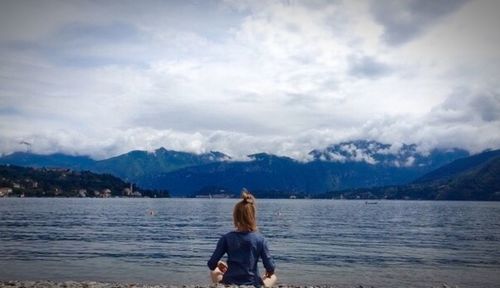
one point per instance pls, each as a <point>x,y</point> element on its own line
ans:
<point>218,253</point>
<point>267,260</point>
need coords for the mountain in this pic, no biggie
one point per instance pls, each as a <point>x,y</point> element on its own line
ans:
<point>131,166</point>
<point>471,178</point>
<point>459,166</point>
<point>57,160</point>
<point>137,164</point>
<point>343,166</point>
<point>264,171</point>
<point>482,183</point>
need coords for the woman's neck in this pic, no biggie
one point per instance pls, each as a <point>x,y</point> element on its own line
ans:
<point>243,230</point>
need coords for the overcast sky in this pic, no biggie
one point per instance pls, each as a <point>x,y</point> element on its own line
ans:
<point>105,77</point>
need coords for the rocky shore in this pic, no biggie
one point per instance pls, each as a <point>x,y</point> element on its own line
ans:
<point>91,284</point>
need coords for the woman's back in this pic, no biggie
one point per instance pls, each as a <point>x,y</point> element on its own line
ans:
<point>244,247</point>
<point>244,250</point>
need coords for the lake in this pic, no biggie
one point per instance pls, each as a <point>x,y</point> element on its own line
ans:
<point>344,243</point>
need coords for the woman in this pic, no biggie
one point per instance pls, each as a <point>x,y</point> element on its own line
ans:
<point>244,247</point>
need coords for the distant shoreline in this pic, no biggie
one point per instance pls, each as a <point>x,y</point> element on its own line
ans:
<point>367,201</point>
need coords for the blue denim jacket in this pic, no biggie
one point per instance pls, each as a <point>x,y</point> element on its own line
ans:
<point>243,250</point>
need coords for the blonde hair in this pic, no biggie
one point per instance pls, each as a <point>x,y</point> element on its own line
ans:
<point>244,213</point>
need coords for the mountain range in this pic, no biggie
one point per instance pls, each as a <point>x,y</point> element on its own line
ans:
<point>345,165</point>
<point>476,177</point>
<point>130,166</point>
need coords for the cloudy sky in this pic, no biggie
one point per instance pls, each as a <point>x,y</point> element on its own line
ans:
<point>105,77</point>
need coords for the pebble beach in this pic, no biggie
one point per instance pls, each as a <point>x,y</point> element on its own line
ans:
<point>92,284</point>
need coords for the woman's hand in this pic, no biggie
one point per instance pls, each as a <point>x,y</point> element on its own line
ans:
<point>222,266</point>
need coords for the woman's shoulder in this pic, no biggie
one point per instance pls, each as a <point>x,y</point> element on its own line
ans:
<point>256,235</point>
<point>230,233</point>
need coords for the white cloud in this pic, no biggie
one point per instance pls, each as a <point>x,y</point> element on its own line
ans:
<point>404,20</point>
<point>283,77</point>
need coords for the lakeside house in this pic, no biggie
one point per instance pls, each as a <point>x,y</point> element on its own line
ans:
<point>5,191</point>
<point>82,193</point>
<point>127,192</point>
<point>105,193</point>
<point>136,194</point>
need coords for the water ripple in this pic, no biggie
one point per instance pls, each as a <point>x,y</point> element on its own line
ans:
<point>313,242</point>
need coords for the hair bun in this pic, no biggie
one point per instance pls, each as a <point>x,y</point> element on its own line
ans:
<point>247,197</point>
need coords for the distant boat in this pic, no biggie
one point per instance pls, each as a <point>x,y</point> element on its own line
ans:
<point>293,197</point>
<point>375,202</point>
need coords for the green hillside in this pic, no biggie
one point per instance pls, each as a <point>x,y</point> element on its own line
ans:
<point>51,182</point>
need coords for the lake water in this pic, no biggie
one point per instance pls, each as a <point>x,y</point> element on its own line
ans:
<point>345,243</point>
